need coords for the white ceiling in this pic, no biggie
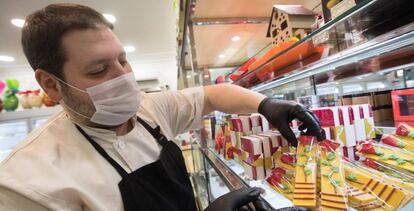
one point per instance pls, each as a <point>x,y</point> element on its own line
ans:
<point>148,25</point>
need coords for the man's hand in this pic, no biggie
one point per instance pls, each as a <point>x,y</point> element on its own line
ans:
<point>281,112</point>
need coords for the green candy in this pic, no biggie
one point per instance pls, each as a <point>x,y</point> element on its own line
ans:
<point>325,163</point>
<point>289,175</point>
<point>302,154</point>
<point>394,157</point>
<point>308,148</point>
<point>351,177</point>
<point>285,186</point>
<point>400,161</point>
<point>379,152</point>
<point>335,169</point>
<point>395,175</point>
<point>411,134</point>
<point>383,158</point>
<point>330,156</point>
<point>401,144</point>
<point>307,171</point>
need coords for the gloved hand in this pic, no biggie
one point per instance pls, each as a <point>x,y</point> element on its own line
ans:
<point>280,113</point>
<point>260,205</point>
<point>235,199</point>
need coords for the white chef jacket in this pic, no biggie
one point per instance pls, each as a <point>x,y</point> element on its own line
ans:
<point>56,168</point>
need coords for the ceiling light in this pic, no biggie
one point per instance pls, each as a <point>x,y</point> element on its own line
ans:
<point>110,18</point>
<point>18,22</point>
<point>129,48</point>
<point>6,58</point>
<point>400,73</point>
<point>235,38</point>
<point>188,76</point>
<point>221,56</point>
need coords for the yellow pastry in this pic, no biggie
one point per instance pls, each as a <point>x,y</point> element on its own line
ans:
<point>390,175</point>
<point>305,173</point>
<point>280,181</point>
<point>395,141</point>
<point>400,159</point>
<point>284,160</point>
<point>357,197</point>
<point>363,180</point>
<point>333,188</point>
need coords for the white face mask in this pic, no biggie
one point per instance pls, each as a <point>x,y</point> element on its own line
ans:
<point>115,101</point>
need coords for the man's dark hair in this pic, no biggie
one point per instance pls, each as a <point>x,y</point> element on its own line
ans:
<point>44,29</point>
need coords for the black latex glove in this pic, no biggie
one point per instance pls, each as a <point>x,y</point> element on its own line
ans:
<point>281,112</point>
<point>235,199</point>
<point>260,205</point>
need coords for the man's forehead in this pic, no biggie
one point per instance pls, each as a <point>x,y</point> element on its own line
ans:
<point>88,44</point>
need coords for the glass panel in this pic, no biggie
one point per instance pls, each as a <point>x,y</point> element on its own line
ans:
<point>406,103</point>
<point>37,122</point>
<point>216,185</point>
<point>325,49</point>
<point>294,90</point>
<point>275,199</point>
<point>10,135</point>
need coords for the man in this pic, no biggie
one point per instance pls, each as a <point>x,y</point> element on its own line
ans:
<point>109,149</point>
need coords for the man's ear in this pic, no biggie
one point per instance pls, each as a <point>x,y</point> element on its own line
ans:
<point>49,84</point>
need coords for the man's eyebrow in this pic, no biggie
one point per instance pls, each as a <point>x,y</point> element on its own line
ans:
<point>101,61</point>
<point>95,62</point>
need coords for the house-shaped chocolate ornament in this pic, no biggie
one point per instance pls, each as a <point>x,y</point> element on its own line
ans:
<point>289,21</point>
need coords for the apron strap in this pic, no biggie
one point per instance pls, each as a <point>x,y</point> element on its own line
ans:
<point>101,151</point>
<point>155,132</point>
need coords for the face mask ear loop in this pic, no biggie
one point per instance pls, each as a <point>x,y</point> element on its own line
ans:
<point>66,106</point>
<point>74,87</point>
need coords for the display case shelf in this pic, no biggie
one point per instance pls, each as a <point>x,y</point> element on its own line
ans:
<point>373,36</point>
<point>354,56</point>
<point>29,113</point>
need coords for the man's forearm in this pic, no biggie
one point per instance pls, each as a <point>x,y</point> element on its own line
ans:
<point>230,99</point>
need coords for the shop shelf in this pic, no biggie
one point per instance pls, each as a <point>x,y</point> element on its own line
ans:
<point>29,113</point>
<point>351,42</point>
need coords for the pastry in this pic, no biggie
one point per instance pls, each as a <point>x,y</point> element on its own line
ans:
<point>285,160</point>
<point>304,194</point>
<point>363,180</point>
<point>391,175</point>
<point>395,141</point>
<point>358,197</point>
<point>333,188</point>
<point>392,156</point>
<point>281,181</point>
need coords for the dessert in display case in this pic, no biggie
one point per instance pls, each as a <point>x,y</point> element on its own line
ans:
<point>354,73</point>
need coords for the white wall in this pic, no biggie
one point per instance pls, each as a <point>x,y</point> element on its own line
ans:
<point>162,66</point>
<point>23,73</point>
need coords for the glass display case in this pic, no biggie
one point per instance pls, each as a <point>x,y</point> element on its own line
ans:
<point>359,56</point>
<point>14,126</point>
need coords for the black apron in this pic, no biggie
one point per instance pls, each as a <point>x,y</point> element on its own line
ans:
<point>161,185</point>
